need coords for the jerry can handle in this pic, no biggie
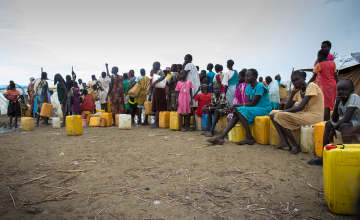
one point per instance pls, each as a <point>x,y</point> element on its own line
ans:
<point>343,147</point>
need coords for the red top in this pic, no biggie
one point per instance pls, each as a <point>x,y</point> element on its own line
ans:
<point>88,104</point>
<point>12,95</point>
<point>204,99</point>
<point>325,71</point>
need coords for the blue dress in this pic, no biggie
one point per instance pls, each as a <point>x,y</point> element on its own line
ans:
<point>263,107</point>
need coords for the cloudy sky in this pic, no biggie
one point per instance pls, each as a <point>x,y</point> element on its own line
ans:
<point>272,36</point>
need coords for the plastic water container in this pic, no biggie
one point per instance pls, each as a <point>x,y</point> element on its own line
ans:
<point>262,129</point>
<point>274,137</point>
<point>108,107</point>
<point>95,122</point>
<point>221,124</point>
<point>27,124</point>
<point>174,121</point>
<point>307,142</point>
<point>108,119</point>
<point>148,107</point>
<point>198,123</point>
<point>73,125</point>
<point>319,129</point>
<point>46,110</point>
<point>100,110</point>
<point>124,121</point>
<point>84,122</point>
<point>238,133</point>
<point>164,119</point>
<point>283,92</point>
<point>56,122</point>
<point>205,122</point>
<point>341,171</point>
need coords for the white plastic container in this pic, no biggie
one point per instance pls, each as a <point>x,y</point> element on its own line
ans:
<point>307,141</point>
<point>198,123</point>
<point>56,122</point>
<point>124,122</point>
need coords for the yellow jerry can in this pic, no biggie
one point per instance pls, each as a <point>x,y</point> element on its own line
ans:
<point>319,129</point>
<point>46,110</point>
<point>74,125</point>
<point>27,124</point>
<point>274,137</point>
<point>164,119</point>
<point>262,129</point>
<point>174,121</point>
<point>108,118</point>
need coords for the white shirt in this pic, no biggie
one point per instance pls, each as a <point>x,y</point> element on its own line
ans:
<point>193,76</point>
<point>227,76</point>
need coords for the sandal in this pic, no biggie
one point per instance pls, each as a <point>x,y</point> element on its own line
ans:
<point>213,141</point>
<point>246,142</point>
<point>204,132</point>
<point>315,162</point>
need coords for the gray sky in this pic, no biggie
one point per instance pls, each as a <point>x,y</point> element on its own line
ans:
<point>272,36</point>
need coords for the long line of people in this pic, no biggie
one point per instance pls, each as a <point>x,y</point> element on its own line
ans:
<point>240,96</point>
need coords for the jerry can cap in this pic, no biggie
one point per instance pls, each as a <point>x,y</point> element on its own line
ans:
<point>329,147</point>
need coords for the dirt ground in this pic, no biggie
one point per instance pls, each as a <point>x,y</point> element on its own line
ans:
<point>144,173</point>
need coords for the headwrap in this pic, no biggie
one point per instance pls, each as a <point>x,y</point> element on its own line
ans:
<point>31,79</point>
<point>58,78</point>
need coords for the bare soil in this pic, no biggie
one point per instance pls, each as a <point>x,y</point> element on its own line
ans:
<point>144,173</point>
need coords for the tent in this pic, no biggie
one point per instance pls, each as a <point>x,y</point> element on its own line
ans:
<point>348,66</point>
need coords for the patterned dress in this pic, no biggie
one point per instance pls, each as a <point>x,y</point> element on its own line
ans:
<point>116,95</point>
<point>32,94</point>
<point>240,96</point>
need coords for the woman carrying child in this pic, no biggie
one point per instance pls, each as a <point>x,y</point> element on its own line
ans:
<point>310,111</point>
<point>184,100</point>
<point>347,106</point>
<point>14,108</point>
<point>258,104</point>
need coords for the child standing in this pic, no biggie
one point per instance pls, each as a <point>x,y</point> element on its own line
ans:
<point>184,100</point>
<point>14,108</point>
<point>172,85</point>
<point>95,95</point>
<point>23,105</point>
<point>219,77</point>
<point>203,99</point>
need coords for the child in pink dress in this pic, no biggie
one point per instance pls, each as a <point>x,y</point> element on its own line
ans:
<point>184,93</point>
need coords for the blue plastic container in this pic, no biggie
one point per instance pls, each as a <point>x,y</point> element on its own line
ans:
<point>205,122</point>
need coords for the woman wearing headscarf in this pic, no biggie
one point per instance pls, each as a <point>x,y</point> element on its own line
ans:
<point>31,93</point>
<point>68,84</point>
<point>62,94</point>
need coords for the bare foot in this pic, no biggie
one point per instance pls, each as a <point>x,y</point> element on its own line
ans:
<point>295,150</point>
<point>63,125</point>
<point>282,145</point>
<point>16,126</point>
<point>183,129</point>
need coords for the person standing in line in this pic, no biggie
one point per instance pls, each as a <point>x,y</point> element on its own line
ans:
<point>42,96</point>
<point>240,93</point>
<point>219,76</point>
<point>132,101</point>
<point>32,94</point>
<point>116,93</point>
<point>62,95</point>
<point>69,84</point>
<point>104,82</point>
<point>143,81</point>
<point>75,93</point>
<point>273,86</point>
<point>230,82</point>
<point>158,95</point>
<point>326,70</point>
<point>172,85</point>
<point>211,75</point>
<point>126,82</point>
<point>184,100</point>
<point>14,108</point>
<point>193,76</point>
